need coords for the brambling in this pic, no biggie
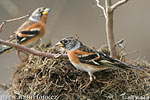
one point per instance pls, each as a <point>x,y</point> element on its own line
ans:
<point>31,31</point>
<point>89,59</point>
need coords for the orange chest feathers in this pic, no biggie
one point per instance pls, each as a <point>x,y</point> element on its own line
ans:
<point>73,57</point>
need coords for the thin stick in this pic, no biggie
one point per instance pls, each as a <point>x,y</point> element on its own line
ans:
<point>34,52</point>
<point>119,3</point>
<point>10,20</point>
<point>100,6</point>
<point>4,86</point>
<point>135,51</point>
<point>119,42</point>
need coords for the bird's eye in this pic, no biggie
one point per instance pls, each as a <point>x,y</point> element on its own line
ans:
<point>65,41</point>
<point>40,10</point>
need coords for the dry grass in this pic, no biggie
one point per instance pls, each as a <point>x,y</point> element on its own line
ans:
<point>57,77</point>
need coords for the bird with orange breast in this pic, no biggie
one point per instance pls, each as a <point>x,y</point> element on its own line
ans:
<point>89,59</point>
<point>31,31</point>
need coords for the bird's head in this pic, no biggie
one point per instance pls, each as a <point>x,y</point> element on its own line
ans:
<point>38,13</point>
<point>69,43</point>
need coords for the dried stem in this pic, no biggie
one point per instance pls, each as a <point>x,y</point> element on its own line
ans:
<point>109,29</point>
<point>28,50</point>
<point>108,12</point>
<point>119,42</point>
<point>4,86</point>
<point>10,20</point>
<point>100,6</point>
<point>119,3</point>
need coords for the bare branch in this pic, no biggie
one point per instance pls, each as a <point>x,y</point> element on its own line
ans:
<point>28,50</point>
<point>100,6</point>
<point>10,20</point>
<point>135,51</point>
<point>4,86</point>
<point>119,3</point>
<point>119,42</point>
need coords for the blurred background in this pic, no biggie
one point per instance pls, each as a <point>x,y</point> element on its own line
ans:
<point>82,17</point>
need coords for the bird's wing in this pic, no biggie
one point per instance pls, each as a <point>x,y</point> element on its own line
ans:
<point>96,58</point>
<point>93,58</point>
<point>26,35</point>
<point>33,31</point>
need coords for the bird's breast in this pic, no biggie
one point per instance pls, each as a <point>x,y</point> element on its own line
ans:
<point>75,61</point>
<point>73,57</point>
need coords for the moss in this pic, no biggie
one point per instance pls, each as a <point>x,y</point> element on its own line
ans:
<point>41,76</point>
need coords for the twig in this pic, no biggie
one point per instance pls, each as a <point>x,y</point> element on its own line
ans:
<point>28,50</point>
<point>100,6</point>
<point>77,37</point>
<point>130,53</point>
<point>119,42</point>
<point>4,86</point>
<point>10,20</point>
<point>119,3</point>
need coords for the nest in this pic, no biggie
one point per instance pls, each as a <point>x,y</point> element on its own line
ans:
<point>47,78</point>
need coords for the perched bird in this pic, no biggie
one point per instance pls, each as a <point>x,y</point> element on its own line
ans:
<point>31,31</point>
<point>89,59</point>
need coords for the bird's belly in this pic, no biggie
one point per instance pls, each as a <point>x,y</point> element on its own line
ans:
<point>33,44</point>
<point>79,66</point>
<point>86,68</point>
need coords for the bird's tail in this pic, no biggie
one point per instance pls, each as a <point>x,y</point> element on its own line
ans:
<point>4,48</point>
<point>127,66</point>
<point>116,63</point>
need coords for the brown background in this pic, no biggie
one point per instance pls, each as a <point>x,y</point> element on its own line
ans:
<point>68,17</point>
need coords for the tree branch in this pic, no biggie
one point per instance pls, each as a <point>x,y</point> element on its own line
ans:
<point>10,20</point>
<point>28,50</point>
<point>100,6</point>
<point>119,3</point>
